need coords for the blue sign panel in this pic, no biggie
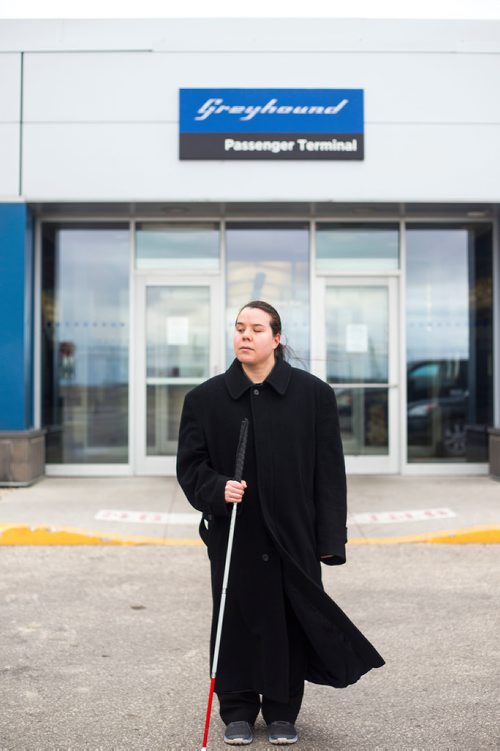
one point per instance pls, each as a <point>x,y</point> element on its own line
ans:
<point>271,124</point>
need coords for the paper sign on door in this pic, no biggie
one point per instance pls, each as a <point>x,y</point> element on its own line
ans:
<point>356,337</point>
<point>177,330</point>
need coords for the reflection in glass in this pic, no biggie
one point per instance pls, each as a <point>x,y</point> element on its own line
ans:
<point>449,338</point>
<point>354,247</point>
<point>85,320</point>
<point>363,417</point>
<point>357,334</point>
<point>177,246</point>
<point>177,358</point>
<point>164,407</point>
<point>271,263</point>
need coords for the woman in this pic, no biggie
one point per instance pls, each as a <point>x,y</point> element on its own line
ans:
<point>280,627</point>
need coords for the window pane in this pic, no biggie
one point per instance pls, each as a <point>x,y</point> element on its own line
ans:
<point>177,358</point>
<point>177,246</point>
<point>177,332</point>
<point>164,407</point>
<point>449,338</point>
<point>363,418</point>
<point>85,328</point>
<point>357,334</point>
<point>271,263</point>
<point>344,247</point>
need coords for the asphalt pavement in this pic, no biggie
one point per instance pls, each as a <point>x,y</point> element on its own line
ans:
<point>106,649</point>
<point>105,610</point>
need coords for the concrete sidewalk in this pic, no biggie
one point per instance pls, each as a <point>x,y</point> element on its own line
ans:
<point>153,510</point>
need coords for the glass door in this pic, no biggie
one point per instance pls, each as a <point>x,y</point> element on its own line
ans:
<point>178,346</point>
<point>355,351</point>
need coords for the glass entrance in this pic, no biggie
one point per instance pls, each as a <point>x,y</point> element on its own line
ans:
<point>84,346</point>
<point>177,336</point>
<point>355,348</point>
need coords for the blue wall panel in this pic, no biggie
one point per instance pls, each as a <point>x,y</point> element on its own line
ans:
<point>16,317</point>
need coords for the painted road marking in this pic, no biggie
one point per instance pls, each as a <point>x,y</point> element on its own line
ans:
<point>146,517</point>
<point>186,519</point>
<point>389,517</point>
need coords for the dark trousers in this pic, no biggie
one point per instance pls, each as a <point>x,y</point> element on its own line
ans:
<point>246,705</point>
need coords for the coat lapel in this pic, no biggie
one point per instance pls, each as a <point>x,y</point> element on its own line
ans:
<point>238,383</point>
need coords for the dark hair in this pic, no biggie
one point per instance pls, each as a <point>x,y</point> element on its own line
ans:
<point>282,350</point>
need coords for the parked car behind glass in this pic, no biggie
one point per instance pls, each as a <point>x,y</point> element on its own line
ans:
<point>437,408</point>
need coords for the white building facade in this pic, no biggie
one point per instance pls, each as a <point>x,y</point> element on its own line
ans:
<point>124,265</point>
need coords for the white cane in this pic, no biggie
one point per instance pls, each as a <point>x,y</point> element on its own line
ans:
<point>238,471</point>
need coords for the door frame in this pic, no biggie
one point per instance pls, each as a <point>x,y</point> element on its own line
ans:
<point>364,464</point>
<point>165,465</point>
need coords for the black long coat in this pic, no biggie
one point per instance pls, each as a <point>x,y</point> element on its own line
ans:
<point>293,512</point>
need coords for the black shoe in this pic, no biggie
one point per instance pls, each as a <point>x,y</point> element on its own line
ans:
<point>238,734</point>
<point>282,733</point>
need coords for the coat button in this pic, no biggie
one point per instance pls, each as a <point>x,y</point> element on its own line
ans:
<point>256,392</point>
<point>265,557</point>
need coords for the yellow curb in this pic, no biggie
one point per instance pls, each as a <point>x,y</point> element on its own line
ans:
<point>12,534</point>
<point>487,535</point>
